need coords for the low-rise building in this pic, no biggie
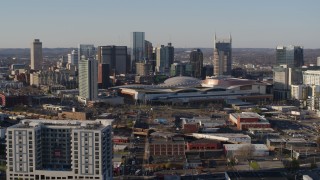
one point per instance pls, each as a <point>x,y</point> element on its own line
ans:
<point>160,147</point>
<point>235,138</point>
<point>247,120</point>
<point>120,139</point>
<point>236,175</point>
<point>246,149</point>
<point>276,143</point>
<point>53,107</point>
<point>7,100</point>
<point>203,144</point>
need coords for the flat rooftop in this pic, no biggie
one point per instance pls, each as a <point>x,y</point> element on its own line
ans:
<point>246,115</point>
<point>277,140</point>
<point>238,146</point>
<point>63,124</point>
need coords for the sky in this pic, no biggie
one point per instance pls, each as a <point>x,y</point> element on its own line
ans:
<point>185,23</point>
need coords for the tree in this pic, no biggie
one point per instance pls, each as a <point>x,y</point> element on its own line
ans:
<point>246,151</point>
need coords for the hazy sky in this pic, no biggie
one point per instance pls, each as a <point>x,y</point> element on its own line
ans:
<point>186,23</point>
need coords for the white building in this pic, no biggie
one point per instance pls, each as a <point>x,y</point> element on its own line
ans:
<point>88,79</point>
<point>73,57</point>
<point>53,107</point>
<point>311,77</point>
<point>238,149</point>
<point>226,137</point>
<point>36,55</point>
<point>299,92</point>
<point>59,149</point>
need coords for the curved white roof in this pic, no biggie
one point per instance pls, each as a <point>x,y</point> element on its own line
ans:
<point>174,82</point>
<point>182,81</point>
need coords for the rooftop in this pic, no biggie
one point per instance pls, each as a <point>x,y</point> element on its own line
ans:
<point>75,124</point>
<point>238,146</point>
<point>266,175</point>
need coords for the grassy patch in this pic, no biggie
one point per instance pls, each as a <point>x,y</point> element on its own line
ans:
<point>254,165</point>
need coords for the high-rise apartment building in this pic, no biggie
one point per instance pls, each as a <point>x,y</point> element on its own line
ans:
<point>222,56</point>
<point>86,50</point>
<point>59,149</point>
<point>292,56</point>
<point>73,57</point>
<point>137,49</point>
<point>196,60</point>
<point>88,79</point>
<point>115,56</point>
<point>148,50</point>
<point>36,55</point>
<point>164,58</point>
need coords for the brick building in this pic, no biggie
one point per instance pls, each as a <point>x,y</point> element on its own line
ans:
<point>167,147</point>
<point>12,100</point>
<point>203,144</point>
<point>246,120</point>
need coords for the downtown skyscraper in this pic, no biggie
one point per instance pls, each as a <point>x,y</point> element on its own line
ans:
<point>164,58</point>
<point>222,56</point>
<point>292,56</point>
<point>196,61</point>
<point>88,78</point>
<point>86,50</point>
<point>115,56</point>
<point>36,55</point>
<point>137,49</point>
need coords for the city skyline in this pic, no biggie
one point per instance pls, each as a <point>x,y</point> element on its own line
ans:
<point>187,24</point>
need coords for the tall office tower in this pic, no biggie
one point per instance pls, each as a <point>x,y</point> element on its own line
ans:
<point>103,76</point>
<point>164,58</point>
<point>143,68</point>
<point>137,49</point>
<point>73,58</point>
<point>222,56</point>
<point>196,60</point>
<point>59,149</point>
<point>149,50</point>
<point>86,50</point>
<point>88,79</point>
<point>115,56</point>
<point>292,56</point>
<point>36,55</point>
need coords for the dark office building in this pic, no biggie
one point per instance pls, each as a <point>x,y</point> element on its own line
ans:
<point>115,56</point>
<point>196,60</point>
<point>103,76</point>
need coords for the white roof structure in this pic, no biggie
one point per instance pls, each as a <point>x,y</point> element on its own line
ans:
<point>235,147</point>
<point>227,137</point>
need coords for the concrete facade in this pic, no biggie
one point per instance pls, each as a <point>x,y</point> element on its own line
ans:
<point>47,149</point>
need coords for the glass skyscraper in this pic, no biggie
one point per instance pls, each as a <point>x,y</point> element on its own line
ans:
<point>137,49</point>
<point>292,56</point>
<point>86,50</point>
